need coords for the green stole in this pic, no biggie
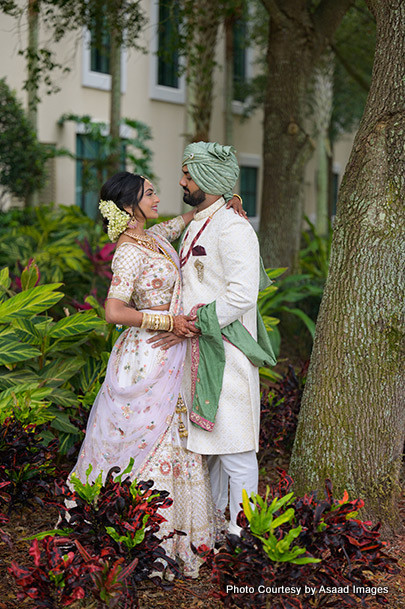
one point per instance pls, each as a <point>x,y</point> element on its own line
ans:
<point>208,360</point>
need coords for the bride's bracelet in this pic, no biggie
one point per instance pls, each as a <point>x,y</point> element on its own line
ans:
<point>156,322</point>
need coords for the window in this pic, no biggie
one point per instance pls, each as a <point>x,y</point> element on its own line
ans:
<point>96,61</point>
<point>242,64</point>
<point>165,82</point>
<point>100,52</point>
<point>168,57</point>
<point>248,189</point>
<point>249,181</point>
<point>91,172</point>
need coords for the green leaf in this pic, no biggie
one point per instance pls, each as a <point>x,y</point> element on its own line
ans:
<point>286,517</point>
<point>5,280</point>
<point>15,378</point>
<point>60,371</point>
<point>61,422</point>
<point>269,374</point>
<point>126,471</point>
<point>27,328</point>
<point>96,306</point>
<point>89,491</point>
<point>270,322</point>
<point>23,388</point>
<point>76,324</point>
<point>29,303</point>
<point>8,331</point>
<point>66,441</point>
<point>50,533</point>
<point>307,320</point>
<point>305,560</point>
<point>274,273</point>
<point>66,345</point>
<point>29,276</point>
<point>90,374</point>
<point>12,351</point>
<point>64,397</point>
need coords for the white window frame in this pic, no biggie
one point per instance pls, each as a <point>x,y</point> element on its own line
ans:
<point>125,130</point>
<point>253,160</point>
<point>98,80</point>
<point>156,91</point>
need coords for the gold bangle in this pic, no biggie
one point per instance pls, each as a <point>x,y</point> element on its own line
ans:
<point>239,197</point>
<point>145,321</point>
<point>171,323</point>
<point>163,322</point>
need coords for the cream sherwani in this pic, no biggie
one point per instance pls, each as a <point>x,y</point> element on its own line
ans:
<point>229,274</point>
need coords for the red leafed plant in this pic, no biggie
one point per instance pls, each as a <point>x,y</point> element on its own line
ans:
<point>99,258</point>
<point>280,405</point>
<point>347,549</point>
<point>26,465</point>
<point>108,544</point>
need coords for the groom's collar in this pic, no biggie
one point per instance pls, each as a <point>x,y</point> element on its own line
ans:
<point>208,211</point>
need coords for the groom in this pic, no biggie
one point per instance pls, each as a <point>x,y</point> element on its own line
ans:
<point>220,262</point>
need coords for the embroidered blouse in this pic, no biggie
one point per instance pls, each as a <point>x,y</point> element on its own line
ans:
<point>143,278</point>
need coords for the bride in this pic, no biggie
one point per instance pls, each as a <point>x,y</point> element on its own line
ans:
<point>138,412</point>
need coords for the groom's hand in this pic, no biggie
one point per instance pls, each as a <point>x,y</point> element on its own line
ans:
<point>165,340</point>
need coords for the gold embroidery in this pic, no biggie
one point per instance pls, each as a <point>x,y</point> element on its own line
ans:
<point>200,270</point>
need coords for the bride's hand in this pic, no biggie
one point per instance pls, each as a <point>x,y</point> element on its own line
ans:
<point>183,326</point>
<point>236,204</point>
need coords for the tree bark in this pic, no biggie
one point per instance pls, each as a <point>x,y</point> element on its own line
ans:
<point>204,23</point>
<point>297,38</point>
<point>32,78</point>
<point>115,103</point>
<point>352,421</point>
<point>323,103</point>
<point>228,88</point>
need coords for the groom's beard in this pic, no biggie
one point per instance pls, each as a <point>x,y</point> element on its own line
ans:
<point>195,198</point>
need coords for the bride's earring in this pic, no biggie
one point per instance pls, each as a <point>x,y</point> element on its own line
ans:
<point>133,222</point>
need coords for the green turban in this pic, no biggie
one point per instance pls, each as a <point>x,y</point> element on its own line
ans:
<point>214,168</point>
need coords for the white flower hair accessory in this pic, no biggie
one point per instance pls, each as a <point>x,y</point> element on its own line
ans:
<point>117,219</point>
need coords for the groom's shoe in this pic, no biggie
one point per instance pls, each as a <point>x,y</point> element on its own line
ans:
<point>234,529</point>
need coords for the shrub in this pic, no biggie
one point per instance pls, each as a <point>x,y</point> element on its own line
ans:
<point>65,577</point>
<point>280,405</point>
<point>44,363</point>
<point>26,466</point>
<point>108,543</point>
<point>334,553</point>
<point>67,246</point>
<point>22,157</point>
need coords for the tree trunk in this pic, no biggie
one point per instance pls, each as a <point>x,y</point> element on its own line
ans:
<point>297,38</point>
<point>228,89</point>
<point>352,422</point>
<point>203,22</point>
<point>32,77</point>
<point>115,104</point>
<point>323,103</point>
<point>32,67</point>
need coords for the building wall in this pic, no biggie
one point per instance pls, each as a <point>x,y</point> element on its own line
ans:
<point>167,120</point>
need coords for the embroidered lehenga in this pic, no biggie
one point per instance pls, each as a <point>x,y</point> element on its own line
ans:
<point>137,412</point>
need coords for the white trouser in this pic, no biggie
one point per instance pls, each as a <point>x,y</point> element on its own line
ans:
<point>241,471</point>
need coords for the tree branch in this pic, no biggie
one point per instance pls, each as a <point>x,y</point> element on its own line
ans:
<point>328,16</point>
<point>361,81</point>
<point>274,12</point>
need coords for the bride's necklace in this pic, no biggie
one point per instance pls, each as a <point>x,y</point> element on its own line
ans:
<point>150,243</point>
<point>147,241</point>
